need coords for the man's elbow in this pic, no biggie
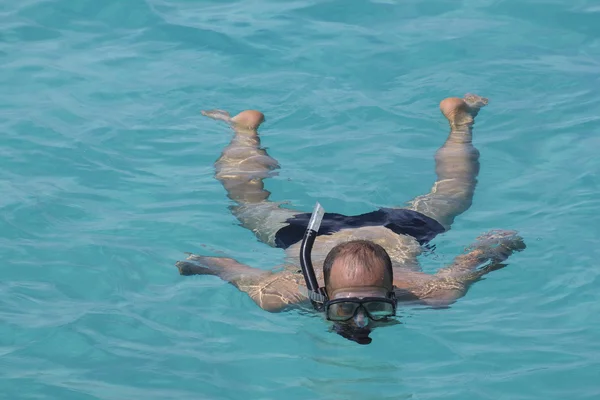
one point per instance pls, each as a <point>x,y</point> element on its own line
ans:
<point>271,305</point>
<point>444,298</point>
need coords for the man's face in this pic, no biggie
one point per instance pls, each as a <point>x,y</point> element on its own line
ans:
<point>347,281</point>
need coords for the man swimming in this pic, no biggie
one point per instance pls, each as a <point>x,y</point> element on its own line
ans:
<point>364,264</point>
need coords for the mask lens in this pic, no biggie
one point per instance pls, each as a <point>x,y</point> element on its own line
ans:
<point>342,311</point>
<point>379,309</point>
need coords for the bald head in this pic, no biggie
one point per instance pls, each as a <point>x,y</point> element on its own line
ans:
<point>356,264</point>
<point>249,119</point>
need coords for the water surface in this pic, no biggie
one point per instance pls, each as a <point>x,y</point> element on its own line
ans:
<point>107,180</point>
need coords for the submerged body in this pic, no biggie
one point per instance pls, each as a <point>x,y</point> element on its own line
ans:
<point>401,231</point>
<point>285,287</point>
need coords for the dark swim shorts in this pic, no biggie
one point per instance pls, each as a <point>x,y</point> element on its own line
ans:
<point>399,220</point>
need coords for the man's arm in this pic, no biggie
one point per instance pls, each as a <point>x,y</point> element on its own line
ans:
<point>271,291</point>
<point>484,256</point>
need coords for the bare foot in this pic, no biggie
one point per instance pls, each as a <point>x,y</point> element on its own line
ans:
<point>220,115</point>
<point>475,103</point>
<point>248,119</point>
<point>462,111</point>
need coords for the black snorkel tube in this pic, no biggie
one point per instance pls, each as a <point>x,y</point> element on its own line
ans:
<point>316,294</point>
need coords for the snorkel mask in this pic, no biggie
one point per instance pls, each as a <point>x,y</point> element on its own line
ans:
<point>343,309</point>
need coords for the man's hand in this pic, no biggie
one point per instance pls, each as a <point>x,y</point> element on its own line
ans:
<point>497,245</point>
<point>204,265</point>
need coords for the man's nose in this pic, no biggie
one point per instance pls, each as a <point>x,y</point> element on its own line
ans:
<point>360,319</point>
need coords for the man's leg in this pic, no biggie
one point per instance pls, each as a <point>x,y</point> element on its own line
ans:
<point>457,163</point>
<point>241,169</point>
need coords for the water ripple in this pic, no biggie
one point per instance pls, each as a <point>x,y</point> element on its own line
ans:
<point>108,180</point>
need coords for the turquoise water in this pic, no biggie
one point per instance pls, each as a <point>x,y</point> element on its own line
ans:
<point>107,180</point>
